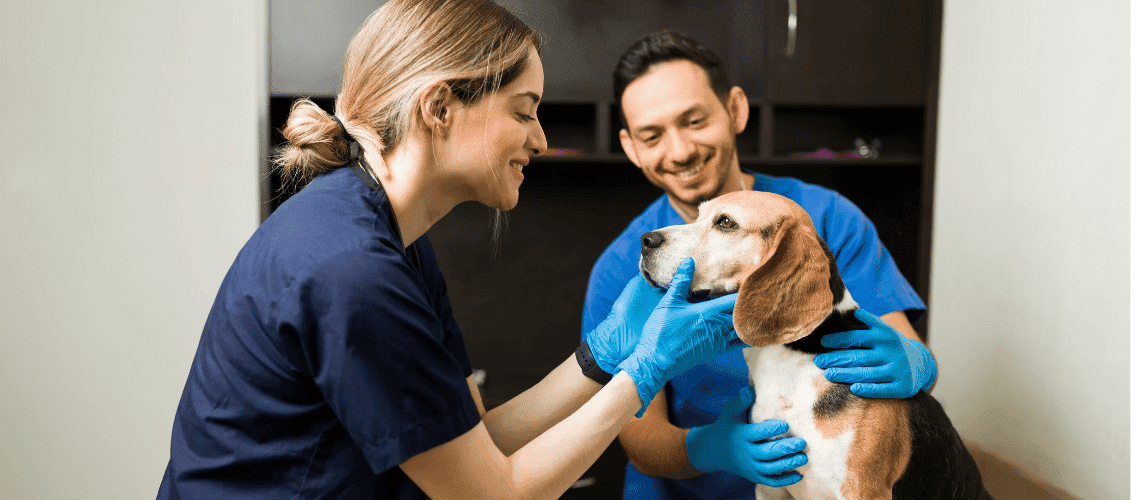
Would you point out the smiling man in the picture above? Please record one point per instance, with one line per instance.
(681, 118)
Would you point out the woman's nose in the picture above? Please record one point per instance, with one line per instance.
(536, 141)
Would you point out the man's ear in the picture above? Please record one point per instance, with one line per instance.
(627, 146)
(737, 109)
(437, 106)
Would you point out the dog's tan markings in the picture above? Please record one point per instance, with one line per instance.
(879, 455)
(831, 423)
(789, 294)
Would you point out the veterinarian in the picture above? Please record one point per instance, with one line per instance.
(681, 118)
(330, 365)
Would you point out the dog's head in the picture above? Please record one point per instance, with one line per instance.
(763, 246)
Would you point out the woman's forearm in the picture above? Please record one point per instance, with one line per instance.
(515, 423)
(551, 462)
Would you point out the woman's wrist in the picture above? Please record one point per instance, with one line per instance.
(589, 365)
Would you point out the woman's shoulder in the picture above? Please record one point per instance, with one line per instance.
(332, 221)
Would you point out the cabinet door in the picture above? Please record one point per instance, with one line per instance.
(846, 51)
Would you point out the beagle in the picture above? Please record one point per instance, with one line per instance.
(765, 247)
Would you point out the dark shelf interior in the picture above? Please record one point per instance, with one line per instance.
(569, 127)
(805, 129)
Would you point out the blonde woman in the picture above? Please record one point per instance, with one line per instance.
(330, 365)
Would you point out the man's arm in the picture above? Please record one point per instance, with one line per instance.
(655, 446)
(899, 321)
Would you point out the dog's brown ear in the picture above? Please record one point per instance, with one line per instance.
(789, 295)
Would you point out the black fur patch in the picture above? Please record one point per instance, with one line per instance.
(837, 321)
(833, 401)
(940, 466)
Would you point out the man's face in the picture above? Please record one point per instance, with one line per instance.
(680, 134)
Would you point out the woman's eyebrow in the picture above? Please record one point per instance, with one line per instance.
(531, 95)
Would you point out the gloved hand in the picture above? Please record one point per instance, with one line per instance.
(680, 335)
(879, 363)
(615, 337)
(733, 445)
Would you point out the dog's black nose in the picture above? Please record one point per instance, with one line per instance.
(652, 239)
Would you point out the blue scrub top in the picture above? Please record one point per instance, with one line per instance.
(697, 396)
(330, 357)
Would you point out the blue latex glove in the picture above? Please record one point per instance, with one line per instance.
(680, 335)
(733, 445)
(879, 363)
(615, 337)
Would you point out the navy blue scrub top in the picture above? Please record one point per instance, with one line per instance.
(330, 356)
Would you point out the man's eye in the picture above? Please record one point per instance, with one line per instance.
(649, 139)
(697, 122)
(725, 223)
(525, 117)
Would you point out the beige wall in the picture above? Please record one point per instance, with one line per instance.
(128, 182)
(1029, 304)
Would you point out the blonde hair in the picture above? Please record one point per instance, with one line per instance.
(405, 46)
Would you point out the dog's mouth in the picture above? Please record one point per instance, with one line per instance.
(694, 295)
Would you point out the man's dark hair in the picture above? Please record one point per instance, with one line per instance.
(662, 46)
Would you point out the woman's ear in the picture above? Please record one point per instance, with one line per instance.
(788, 296)
(437, 107)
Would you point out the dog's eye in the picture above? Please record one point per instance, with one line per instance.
(723, 222)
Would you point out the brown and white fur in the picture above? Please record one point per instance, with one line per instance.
(765, 247)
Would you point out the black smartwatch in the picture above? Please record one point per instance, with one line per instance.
(590, 367)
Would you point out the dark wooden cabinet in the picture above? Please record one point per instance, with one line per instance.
(858, 52)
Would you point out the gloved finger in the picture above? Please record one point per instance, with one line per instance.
(778, 480)
(767, 429)
(682, 278)
(872, 320)
(849, 358)
(740, 403)
(896, 390)
(855, 338)
(720, 305)
(785, 464)
(773, 450)
(637, 287)
(861, 374)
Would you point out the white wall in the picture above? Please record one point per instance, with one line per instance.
(128, 182)
(1029, 313)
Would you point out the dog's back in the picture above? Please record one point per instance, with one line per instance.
(940, 466)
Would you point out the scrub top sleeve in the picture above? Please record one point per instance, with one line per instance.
(868, 270)
(383, 359)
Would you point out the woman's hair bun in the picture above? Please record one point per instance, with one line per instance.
(317, 144)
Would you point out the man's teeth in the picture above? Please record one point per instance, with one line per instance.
(690, 172)
(517, 166)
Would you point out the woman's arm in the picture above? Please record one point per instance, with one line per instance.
(518, 421)
(473, 466)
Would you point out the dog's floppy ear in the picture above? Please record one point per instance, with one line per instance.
(789, 295)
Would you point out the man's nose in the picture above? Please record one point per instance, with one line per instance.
(682, 151)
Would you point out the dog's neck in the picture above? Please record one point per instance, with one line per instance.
(841, 319)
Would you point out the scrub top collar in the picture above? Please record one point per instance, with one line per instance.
(364, 171)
